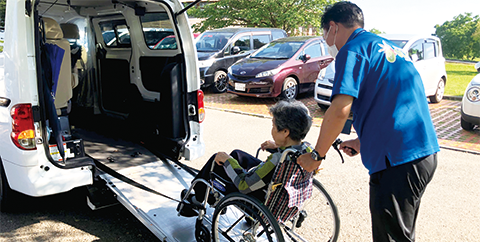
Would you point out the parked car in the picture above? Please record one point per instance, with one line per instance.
(426, 54)
(218, 49)
(151, 35)
(284, 67)
(169, 42)
(470, 111)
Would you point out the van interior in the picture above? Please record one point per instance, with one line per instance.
(111, 95)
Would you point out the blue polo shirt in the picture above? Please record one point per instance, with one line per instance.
(390, 109)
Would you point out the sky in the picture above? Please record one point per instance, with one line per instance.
(413, 16)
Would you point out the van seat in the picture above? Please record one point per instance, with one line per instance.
(64, 93)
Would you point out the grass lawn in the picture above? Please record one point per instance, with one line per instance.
(458, 77)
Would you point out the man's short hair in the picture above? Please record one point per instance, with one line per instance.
(346, 13)
(292, 115)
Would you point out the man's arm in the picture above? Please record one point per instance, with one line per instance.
(332, 125)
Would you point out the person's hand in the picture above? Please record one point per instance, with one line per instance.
(269, 144)
(347, 146)
(221, 157)
(307, 163)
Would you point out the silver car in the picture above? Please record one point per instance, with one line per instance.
(426, 54)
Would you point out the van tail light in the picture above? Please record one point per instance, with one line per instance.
(23, 131)
(201, 106)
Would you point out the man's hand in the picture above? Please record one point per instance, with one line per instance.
(269, 144)
(221, 157)
(348, 145)
(307, 163)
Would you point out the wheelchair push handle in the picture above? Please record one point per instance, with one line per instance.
(335, 145)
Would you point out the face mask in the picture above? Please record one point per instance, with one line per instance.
(332, 49)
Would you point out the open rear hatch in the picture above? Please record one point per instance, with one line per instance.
(118, 93)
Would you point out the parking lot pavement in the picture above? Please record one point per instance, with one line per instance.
(445, 116)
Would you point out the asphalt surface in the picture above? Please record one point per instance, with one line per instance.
(450, 210)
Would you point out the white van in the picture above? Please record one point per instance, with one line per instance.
(426, 54)
(69, 100)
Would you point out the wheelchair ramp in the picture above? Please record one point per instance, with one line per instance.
(156, 212)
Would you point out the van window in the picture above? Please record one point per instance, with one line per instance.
(416, 51)
(243, 42)
(314, 50)
(260, 40)
(212, 42)
(115, 34)
(429, 48)
(158, 31)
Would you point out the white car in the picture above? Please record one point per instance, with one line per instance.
(426, 54)
(470, 114)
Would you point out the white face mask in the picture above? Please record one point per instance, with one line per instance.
(332, 49)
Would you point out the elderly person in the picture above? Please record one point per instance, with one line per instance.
(378, 82)
(291, 123)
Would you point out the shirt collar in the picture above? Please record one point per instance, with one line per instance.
(355, 34)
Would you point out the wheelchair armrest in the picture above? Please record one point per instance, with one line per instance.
(214, 175)
(269, 150)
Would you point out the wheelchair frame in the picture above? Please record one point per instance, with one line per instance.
(259, 224)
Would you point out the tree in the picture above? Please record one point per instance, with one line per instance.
(285, 14)
(2, 12)
(376, 31)
(460, 37)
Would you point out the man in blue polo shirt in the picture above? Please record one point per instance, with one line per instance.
(377, 82)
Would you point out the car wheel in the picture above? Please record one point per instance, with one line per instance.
(439, 93)
(290, 88)
(322, 106)
(220, 82)
(466, 125)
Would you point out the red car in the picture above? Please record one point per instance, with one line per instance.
(169, 42)
(284, 67)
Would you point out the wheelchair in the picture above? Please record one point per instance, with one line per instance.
(244, 218)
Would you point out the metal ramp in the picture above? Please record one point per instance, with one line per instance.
(157, 213)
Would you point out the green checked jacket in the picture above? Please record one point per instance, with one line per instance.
(259, 176)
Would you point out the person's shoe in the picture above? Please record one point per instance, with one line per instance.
(187, 210)
(190, 205)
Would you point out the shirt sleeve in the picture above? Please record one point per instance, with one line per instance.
(255, 178)
(351, 69)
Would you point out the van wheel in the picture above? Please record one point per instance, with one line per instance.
(6, 194)
(439, 93)
(323, 106)
(466, 125)
(290, 88)
(220, 82)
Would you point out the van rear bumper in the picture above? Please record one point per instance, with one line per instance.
(47, 179)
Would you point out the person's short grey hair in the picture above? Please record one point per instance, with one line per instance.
(292, 115)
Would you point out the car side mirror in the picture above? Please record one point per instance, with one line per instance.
(235, 50)
(305, 58)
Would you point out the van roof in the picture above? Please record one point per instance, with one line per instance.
(407, 36)
(240, 29)
(298, 39)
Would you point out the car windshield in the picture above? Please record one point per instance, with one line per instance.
(277, 50)
(400, 43)
(212, 42)
(168, 42)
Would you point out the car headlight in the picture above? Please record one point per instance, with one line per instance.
(473, 94)
(205, 63)
(268, 73)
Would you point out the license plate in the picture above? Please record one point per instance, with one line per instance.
(240, 87)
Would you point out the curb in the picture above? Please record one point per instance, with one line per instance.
(459, 150)
(316, 125)
(455, 98)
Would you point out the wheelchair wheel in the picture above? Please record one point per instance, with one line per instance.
(318, 219)
(239, 217)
